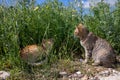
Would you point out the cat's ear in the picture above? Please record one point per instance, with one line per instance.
(51, 40)
(80, 27)
(43, 46)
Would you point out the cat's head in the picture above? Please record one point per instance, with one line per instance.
(47, 44)
(81, 31)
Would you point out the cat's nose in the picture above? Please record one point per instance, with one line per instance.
(75, 32)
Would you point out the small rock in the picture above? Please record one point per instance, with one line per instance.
(110, 78)
(81, 60)
(78, 72)
(4, 75)
(116, 72)
(63, 74)
(104, 73)
(73, 76)
(76, 75)
(84, 78)
(94, 78)
(109, 74)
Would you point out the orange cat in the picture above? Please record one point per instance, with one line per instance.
(95, 47)
(34, 54)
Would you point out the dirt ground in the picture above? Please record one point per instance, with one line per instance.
(62, 70)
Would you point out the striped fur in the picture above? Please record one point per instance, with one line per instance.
(95, 47)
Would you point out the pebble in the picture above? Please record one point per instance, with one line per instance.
(81, 60)
(78, 72)
(4, 75)
(84, 77)
(63, 74)
(109, 74)
(76, 75)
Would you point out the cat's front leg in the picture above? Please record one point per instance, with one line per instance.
(87, 55)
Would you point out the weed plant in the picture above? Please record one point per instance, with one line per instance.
(23, 24)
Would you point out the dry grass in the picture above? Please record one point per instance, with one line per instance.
(52, 72)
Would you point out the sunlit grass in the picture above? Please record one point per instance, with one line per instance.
(21, 26)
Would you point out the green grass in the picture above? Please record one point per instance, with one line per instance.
(21, 26)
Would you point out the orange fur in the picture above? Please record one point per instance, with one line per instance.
(30, 49)
(32, 53)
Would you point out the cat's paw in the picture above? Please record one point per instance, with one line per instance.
(85, 61)
(96, 63)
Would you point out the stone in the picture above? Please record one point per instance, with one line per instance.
(84, 77)
(78, 72)
(76, 75)
(116, 77)
(109, 74)
(63, 74)
(4, 75)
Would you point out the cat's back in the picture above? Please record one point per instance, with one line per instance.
(102, 44)
(30, 53)
(90, 41)
(30, 49)
(103, 52)
(33, 53)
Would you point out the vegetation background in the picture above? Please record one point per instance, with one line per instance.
(27, 23)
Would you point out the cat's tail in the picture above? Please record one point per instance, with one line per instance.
(117, 62)
(118, 59)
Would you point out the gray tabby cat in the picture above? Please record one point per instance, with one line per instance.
(99, 49)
